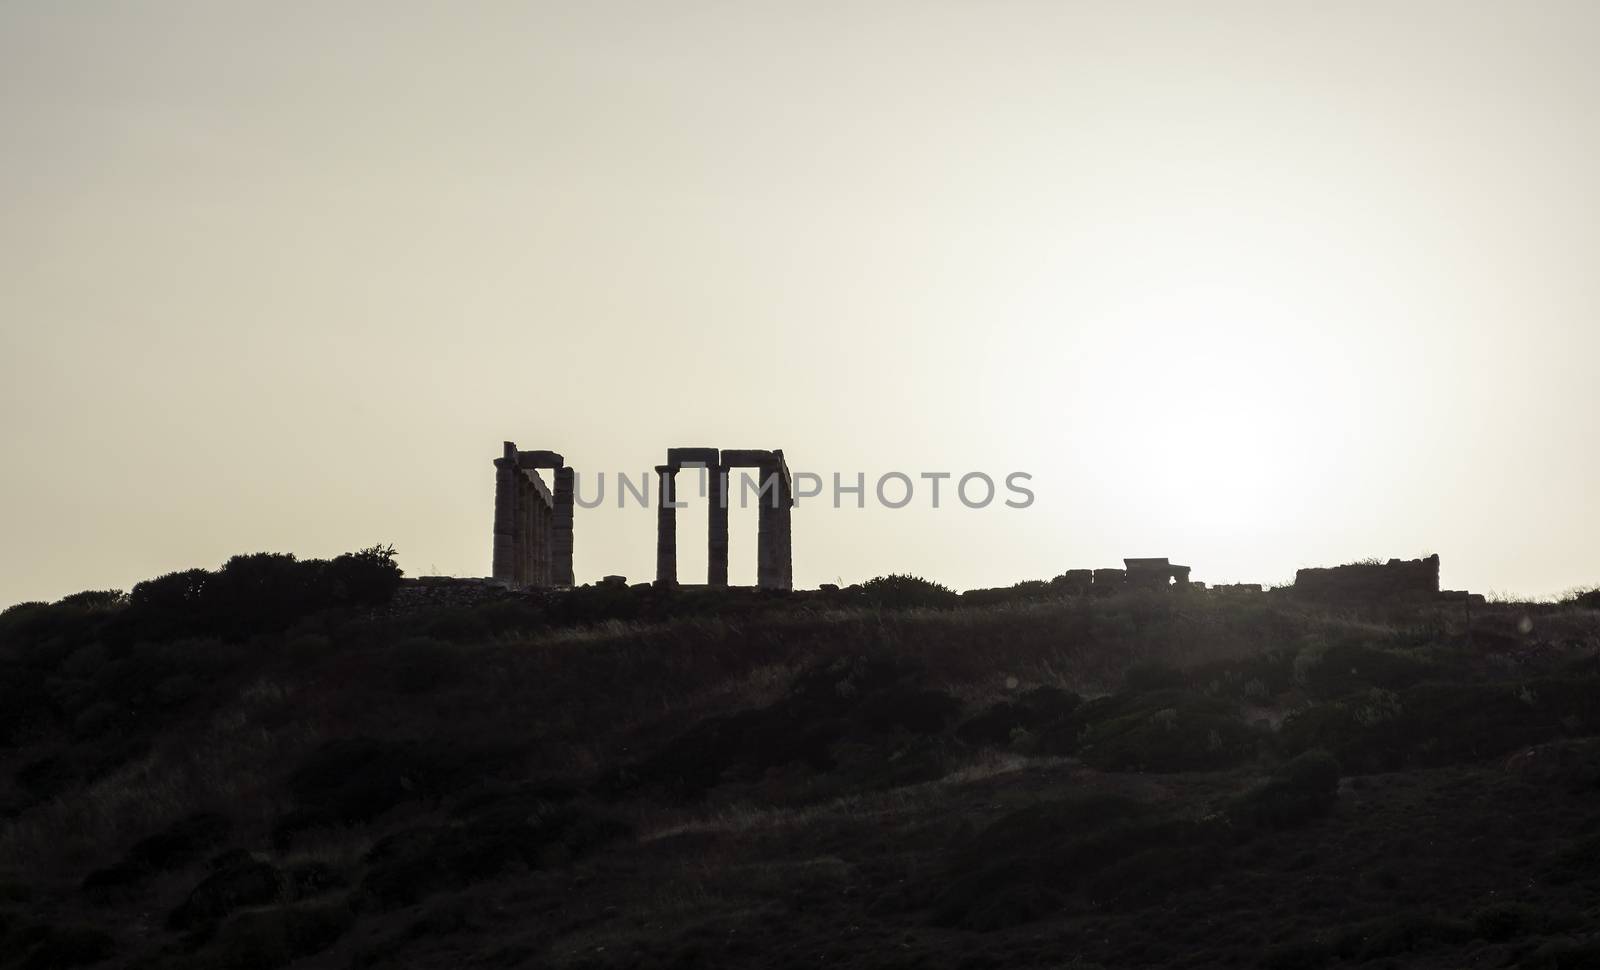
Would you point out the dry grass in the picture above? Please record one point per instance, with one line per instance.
(232, 763)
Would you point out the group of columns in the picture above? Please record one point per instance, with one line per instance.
(532, 521)
(774, 556)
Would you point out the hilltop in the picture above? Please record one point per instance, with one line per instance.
(319, 764)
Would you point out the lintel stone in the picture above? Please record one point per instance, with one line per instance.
(678, 457)
(540, 459)
(749, 457)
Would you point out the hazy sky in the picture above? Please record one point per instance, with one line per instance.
(1251, 285)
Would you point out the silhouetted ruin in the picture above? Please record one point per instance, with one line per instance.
(533, 520)
(1371, 581)
(1136, 574)
(533, 536)
(1155, 573)
(774, 558)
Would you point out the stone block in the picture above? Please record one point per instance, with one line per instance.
(678, 457)
(1110, 578)
(748, 457)
(540, 459)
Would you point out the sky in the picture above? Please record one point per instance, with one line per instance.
(1251, 285)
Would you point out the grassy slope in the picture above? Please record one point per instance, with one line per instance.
(802, 781)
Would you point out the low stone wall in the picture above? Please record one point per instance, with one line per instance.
(432, 591)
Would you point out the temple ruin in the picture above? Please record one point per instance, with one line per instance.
(774, 558)
(533, 520)
(1136, 574)
(1371, 581)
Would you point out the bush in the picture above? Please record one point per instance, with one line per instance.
(238, 881)
(1163, 730)
(1308, 955)
(516, 830)
(108, 599)
(175, 846)
(354, 780)
(1304, 789)
(1402, 933)
(1148, 675)
(55, 947)
(365, 578)
(1506, 921)
(1579, 861)
(1351, 668)
(270, 938)
(1438, 724)
(849, 699)
(1563, 955)
(418, 665)
(261, 593)
(898, 592)
(1040, 709)
(1120, 852)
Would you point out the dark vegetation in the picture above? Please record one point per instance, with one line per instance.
(299, 762)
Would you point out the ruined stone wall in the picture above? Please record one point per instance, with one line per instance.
(1370, 582)
(430, 592)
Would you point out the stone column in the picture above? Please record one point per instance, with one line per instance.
(561, 528)
(666, 528)
(535, 508)
(785, 535)
(546, 515)
(548, 564)
(525, 499)
(717, 527)
(769, 553)
(505, 519)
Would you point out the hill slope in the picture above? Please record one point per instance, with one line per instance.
(636, 778)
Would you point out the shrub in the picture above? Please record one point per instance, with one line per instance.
(418, 665)
(900, 592)
(1043, 709)
(261, 593)
(270, 938)
(1436, 724)
(1304, 789)
(1163, 730)
(1350, 668)
(173, 847)
(1150, 675)
(1393, 935)
(108, 599)
(511, 831)
(238, 881)
(1500, 922)
(1117, 850)
(1563, 955)
(353, 780)
(55, 947)
(1579, 861)
(364, 578)
(1307, 955)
